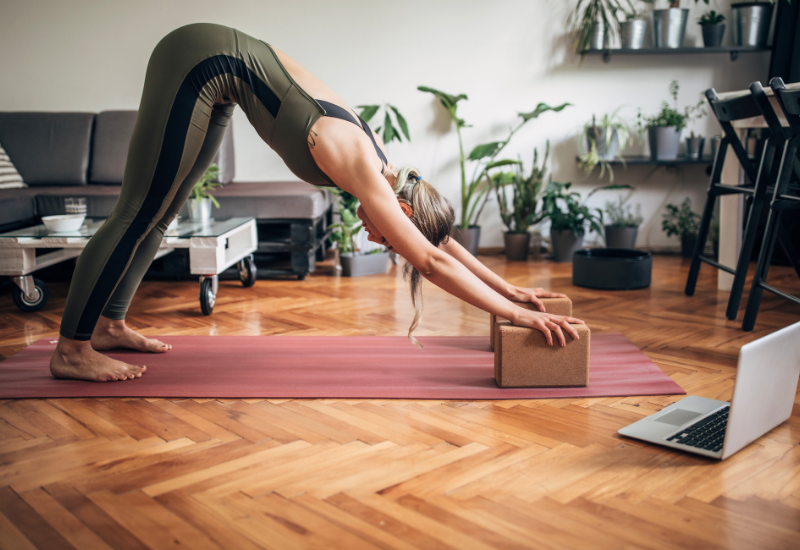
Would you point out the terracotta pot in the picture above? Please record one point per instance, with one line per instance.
(517, 245)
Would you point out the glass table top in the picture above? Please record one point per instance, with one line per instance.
(186, 229)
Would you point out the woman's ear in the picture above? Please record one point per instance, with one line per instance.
(407, 210)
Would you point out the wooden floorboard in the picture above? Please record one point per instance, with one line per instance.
(256, 473)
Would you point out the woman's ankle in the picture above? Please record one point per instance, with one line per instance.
(69, 346)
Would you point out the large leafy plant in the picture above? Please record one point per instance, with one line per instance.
(589, 12)
(566, 211)
(475, 192)
(670, 116)
(205, 184)
(389, 127)
(520, 212)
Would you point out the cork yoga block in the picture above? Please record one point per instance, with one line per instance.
(522, 358)
(556, 306)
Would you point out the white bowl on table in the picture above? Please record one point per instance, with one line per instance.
(64, 222)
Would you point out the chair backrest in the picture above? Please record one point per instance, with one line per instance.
(788, 97)
(729, 107)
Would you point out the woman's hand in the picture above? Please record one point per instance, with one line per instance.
(548, 324)
(532, 295)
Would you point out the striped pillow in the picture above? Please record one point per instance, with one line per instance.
(9, 177)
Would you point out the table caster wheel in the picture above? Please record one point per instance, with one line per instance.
(247, 271)
(35, 300)
(207, 296)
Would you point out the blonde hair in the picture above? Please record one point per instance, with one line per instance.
(433, 215)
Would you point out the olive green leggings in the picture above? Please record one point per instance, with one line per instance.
(195, 78)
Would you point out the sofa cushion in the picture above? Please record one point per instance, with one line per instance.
(271, 200)
(17, 207)
(48, 148)
(100, 199)
(9, 176)
(112, 136)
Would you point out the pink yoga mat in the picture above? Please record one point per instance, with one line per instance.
(457, 367)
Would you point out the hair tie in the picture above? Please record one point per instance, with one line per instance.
(417, 178)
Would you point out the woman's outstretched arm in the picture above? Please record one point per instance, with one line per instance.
(495, 282)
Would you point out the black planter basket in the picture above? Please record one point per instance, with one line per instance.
(612, 268)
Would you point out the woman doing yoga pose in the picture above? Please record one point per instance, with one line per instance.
(195, 78)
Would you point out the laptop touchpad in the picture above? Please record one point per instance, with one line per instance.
(678, 417)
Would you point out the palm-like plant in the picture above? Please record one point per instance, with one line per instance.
(390, 131)
(475, 193)
(520, 213)
(205, 184)
(589, 12)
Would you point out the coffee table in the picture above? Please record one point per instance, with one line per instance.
(214, 246)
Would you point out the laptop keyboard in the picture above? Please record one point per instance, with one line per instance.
(708, 434)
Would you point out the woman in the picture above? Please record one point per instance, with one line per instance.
(195, 77)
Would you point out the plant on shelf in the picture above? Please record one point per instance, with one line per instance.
(602, 142)
(623, 224)
(389, 127)
(475, 192)
(598, 18)
(664, 128)
(713, 26)
(344, 235)
(520, 212)
(683, 222)
(201, 199)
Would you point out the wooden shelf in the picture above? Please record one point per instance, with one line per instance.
(644, 160)
(733, 51)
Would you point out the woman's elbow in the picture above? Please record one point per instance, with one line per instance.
(431, 264)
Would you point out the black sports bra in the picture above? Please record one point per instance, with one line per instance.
(334, 111)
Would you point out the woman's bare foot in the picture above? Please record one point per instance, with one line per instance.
(110, 334)
(75, 359)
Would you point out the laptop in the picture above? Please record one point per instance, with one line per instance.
(766, 384)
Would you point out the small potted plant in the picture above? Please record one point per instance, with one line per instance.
(568, 218)
(593, 24)
(201, 199)
(669, 25)
(354, 262)
(713, 25)
(681, 221)
(664, 128)
(623, 223)
(520, 212)
(694, 146)
(601, 140)
(633, 29)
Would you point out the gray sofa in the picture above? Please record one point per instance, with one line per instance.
(68, 154)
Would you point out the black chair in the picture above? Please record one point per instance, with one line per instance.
(785, 196)
(728, 108)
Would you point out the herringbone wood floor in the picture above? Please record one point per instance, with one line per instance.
(245, 474)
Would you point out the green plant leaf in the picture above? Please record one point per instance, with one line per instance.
(401, 122)
(368, 111)
(485, 150)
(504, 162)
(449, 101)
(389, 133)
(542, 108)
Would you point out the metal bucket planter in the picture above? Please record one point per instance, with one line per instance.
(357, 265)
(606, 150)
(597, 40)
(517, 245)
(751, 22)
(694, 147)
(618, 236)
(565, 244)
(631, 34)
(664, 142)
(669, 27)
(712, 35)
(200, 210)
(612, 268)
(468, 238)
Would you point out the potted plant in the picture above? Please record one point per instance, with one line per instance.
(201, 199)
(354, 262)
(475, 193)
(694, 146)
(593, 23)
(713, 25)
(632, 30)
(521, 213)
(568, 218)
(683, 222)
(601, 142)
(669, 25)
(623, 224)
(751, 22)
(664, 128)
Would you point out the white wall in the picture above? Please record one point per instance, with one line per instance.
(507, 55)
